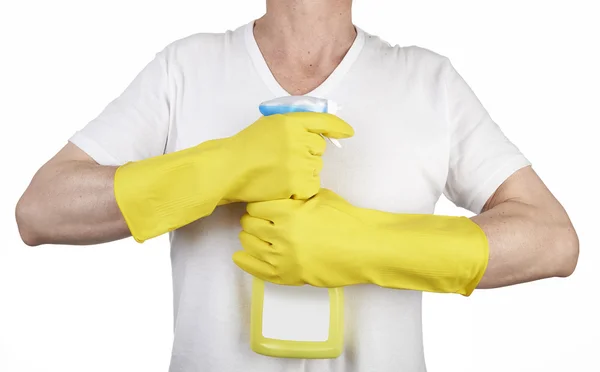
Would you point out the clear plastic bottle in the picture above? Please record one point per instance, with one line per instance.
(297, 322)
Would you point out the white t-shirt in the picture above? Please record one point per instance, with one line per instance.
(420, 133)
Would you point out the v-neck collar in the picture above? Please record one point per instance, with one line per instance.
(332, 80)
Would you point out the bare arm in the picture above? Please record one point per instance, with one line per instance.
(70, 201)
(530, 235)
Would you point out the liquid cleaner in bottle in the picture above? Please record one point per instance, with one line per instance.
(297, 321)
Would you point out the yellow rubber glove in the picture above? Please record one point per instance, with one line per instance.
(277, 157)
(326, 242)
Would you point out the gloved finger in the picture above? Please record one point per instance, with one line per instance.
(330, 195)
(308, 180)
(272, 210)
(262, 228)
(316, 164)
(326, 124)
(254, 266)
(256, 247)
(315, 143)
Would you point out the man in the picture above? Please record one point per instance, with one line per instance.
(183, 150)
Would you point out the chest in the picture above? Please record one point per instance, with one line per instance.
(301, 78)
(397, 161)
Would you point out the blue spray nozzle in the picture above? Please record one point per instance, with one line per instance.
(267, 110)
(287, 104)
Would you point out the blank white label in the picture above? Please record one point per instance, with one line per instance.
(296, 313)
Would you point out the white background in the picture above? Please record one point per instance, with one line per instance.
(534, 65)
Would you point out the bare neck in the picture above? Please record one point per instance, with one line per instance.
(301, 26)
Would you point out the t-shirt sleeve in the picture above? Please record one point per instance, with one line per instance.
(133, 126)
(481, 156)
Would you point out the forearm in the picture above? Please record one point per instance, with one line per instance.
(71, 202)
(327, 242)
(526, 243)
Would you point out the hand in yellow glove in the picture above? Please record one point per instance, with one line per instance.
(277, 157)
(326, 242)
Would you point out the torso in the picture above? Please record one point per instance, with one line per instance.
(397, 161)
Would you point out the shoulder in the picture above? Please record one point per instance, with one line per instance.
(202, 48)
(413, 60)
(195, 44)
(422, 60)
(201, 39)
(418, 55)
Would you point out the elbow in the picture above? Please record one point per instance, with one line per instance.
(567, 251)
(25, 217)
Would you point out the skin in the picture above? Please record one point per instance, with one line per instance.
(304, 41)
(70, 200)
(530, 234)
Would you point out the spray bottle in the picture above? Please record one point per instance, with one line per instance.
(297, 322)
